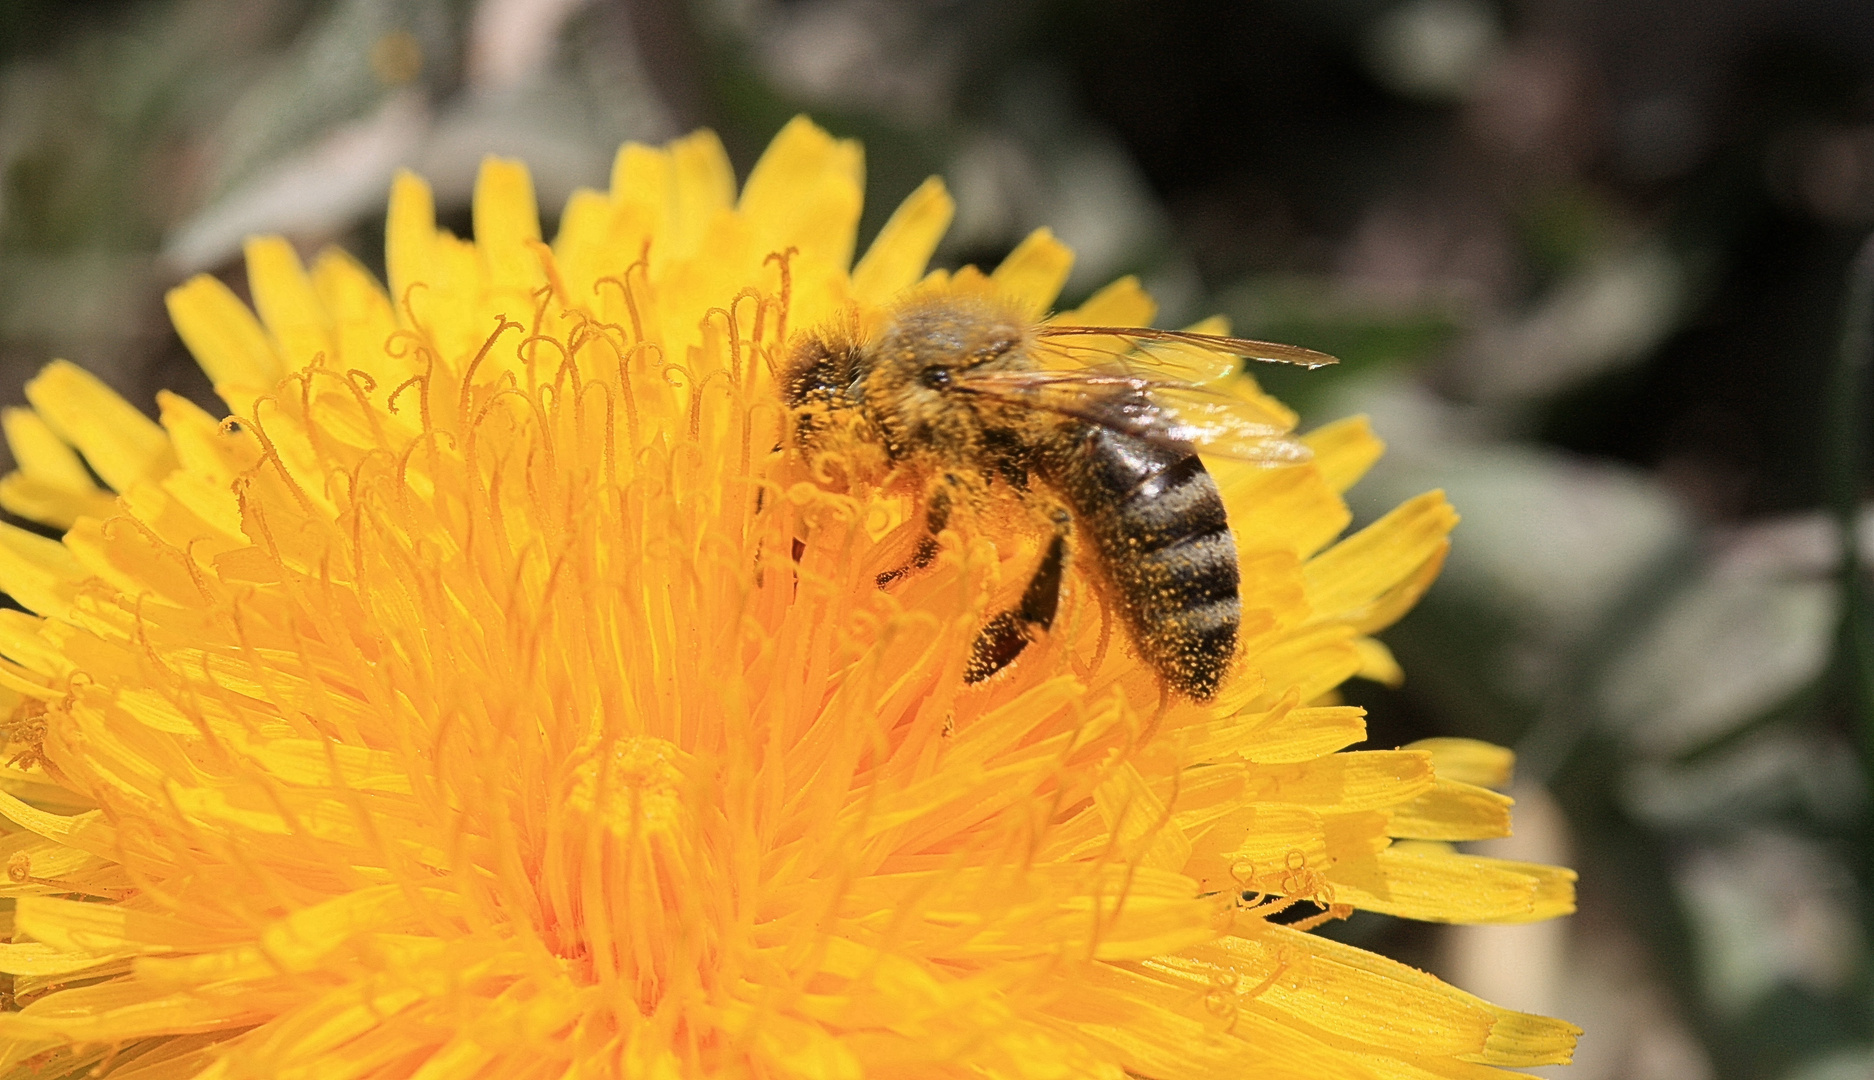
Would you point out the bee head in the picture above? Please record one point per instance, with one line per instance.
(818, 367)
(816, 383)
(897, 386)
(907, 391)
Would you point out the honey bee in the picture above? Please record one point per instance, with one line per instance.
(969, 398)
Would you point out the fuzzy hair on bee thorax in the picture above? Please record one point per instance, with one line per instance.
(894, 389)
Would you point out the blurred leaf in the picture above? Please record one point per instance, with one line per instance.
(1366, 334)
(1845, 435)
(1561, 227)
(1727, 648)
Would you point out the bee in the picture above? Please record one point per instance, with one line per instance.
(968, 397)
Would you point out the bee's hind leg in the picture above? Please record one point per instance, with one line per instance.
(1004, 637)
(937, 506)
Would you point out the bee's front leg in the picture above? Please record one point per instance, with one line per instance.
(1004, 637)
(937, 506)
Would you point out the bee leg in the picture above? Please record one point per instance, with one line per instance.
(1004, 637)
(936, 519)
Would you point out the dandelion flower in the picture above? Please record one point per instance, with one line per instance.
(488, 696)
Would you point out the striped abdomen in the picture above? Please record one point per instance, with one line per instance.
(1156, 518)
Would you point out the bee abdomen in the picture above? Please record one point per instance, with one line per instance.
(1183, 596)
(1158, 521)
(1174, 506)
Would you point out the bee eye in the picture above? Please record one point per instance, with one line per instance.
(935, 377)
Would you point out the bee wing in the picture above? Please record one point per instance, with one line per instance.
(1178, 354)
(1174, 415)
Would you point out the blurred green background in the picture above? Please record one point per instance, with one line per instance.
(1587, 263)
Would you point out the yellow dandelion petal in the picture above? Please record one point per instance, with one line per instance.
(903, 248)
(1470, 761)
(121, 444)
(1357, 579)
(702, 185)
(805, 194)
(288, 306)
(1122, 303)
(491, 694)
(1377, 662)
(51, 484)
(226, 339)
(507, 226)
(1032, 275)
(1452, 810)
(409, 241)
(1344, 450)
